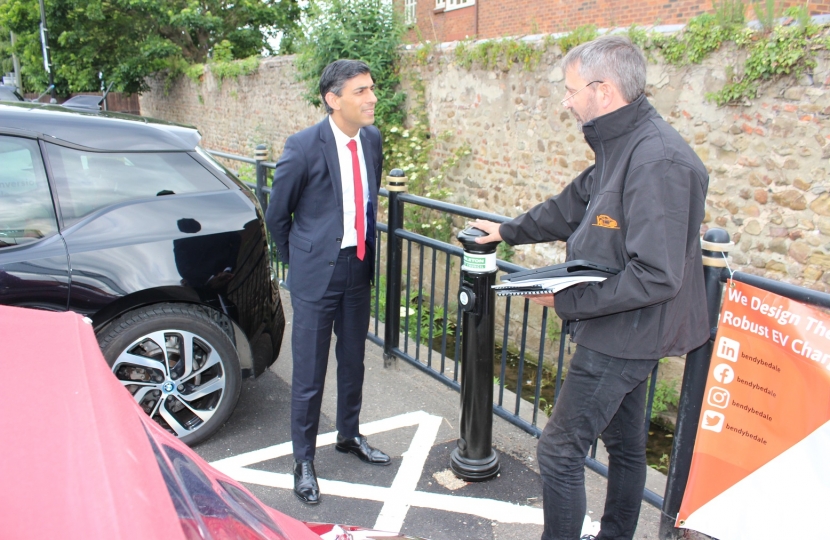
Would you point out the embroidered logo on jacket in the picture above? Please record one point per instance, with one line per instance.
(606, 222)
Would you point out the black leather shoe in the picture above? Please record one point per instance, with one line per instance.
(360, 447)
(305, 482)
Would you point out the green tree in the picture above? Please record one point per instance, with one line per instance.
(127, 40)
(368, 30)
(371, 30)
(5, 51)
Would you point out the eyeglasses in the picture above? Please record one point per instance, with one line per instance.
(570, 96)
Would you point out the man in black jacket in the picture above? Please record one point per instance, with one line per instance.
(638, 209)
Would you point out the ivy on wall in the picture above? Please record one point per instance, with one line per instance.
(499, 52)
(223, 66)
(786, 51)
(504, 53)
(773, 48)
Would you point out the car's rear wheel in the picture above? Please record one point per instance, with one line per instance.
(179, 364)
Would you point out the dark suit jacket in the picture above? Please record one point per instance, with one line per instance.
(305, 211)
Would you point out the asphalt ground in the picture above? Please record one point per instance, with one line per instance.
(413, 418)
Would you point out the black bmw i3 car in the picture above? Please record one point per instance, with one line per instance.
(127, 221)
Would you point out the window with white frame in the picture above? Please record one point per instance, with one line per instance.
(440, 4)
(409, 11)
(457, 4)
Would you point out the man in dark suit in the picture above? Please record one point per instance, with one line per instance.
(322, 218)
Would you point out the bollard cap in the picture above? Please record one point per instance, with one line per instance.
(715, 247)
(468, 236)
(716, 235)
(396, 180)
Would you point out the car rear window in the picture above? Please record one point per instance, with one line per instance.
(26, 210)
(87, 181)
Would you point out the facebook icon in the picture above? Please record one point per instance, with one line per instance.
(723, 373)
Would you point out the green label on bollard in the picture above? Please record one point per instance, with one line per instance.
(474, 262)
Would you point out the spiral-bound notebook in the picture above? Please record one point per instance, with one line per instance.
(552, 279)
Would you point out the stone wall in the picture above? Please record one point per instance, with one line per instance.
(235, 115)
(768, 160)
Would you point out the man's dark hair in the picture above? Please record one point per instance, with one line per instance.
(336, 74)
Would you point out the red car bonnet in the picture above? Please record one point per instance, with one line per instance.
(82, 461)
(77, 461)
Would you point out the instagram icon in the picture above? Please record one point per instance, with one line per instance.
(718, 397)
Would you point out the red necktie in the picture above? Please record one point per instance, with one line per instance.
(359, 218)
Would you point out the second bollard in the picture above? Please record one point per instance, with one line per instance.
(474, 459)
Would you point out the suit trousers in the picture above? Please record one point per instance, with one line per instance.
(345, 306)
(604, 395)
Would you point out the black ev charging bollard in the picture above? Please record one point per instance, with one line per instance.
(474, 458)
(395, 184)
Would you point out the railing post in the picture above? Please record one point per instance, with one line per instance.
(395, 184)
(716, 246)
(474, 459)
(261, 175)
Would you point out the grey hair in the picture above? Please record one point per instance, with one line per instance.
(611, 58)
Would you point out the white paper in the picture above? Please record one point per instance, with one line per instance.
(543, 286)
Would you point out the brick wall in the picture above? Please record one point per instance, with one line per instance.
(497, 18)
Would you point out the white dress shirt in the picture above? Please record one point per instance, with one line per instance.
(344, 156)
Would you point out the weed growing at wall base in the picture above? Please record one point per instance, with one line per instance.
(730, 12)
(666, 398)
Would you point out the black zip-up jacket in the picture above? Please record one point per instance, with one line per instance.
(639, 209)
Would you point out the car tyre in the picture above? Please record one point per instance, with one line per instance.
(179, 364)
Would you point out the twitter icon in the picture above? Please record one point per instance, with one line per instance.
(712, 421)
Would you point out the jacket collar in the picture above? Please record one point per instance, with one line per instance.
(618, 123)
(332, 160)
(369, 158)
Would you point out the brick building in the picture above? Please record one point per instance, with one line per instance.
(451, 20)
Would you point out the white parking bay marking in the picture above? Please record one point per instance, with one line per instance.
(403, 487)
(397, 498)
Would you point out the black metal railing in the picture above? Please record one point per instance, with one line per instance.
(401, 276)
(419, 329)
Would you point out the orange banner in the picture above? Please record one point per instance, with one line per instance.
(766, 409)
